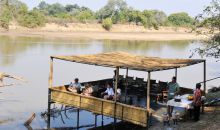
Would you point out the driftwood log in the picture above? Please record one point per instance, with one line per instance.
(30, 119)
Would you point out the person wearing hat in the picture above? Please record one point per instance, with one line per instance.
(197, 102)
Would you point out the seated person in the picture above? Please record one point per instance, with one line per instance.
(109, 92)
(118, 96)
(88, 90)
(75, 87)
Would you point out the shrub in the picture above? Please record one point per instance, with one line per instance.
(107, 24)
(32, 19)
(5, 17)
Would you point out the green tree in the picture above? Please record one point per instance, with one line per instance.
(180, 19)
(56, 9)
(112, 9)
(209, 24)
(43, 5)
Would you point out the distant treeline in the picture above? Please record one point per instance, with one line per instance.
(114, 12)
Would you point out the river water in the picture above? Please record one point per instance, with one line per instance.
(29, 57)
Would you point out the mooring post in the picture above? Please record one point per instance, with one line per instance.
(77, 118)
(102, 114)
(95, 120)
(48, 109)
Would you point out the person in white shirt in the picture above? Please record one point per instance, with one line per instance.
(75, 87)
(109, 92)
(118, 96)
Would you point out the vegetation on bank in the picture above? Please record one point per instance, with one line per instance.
(114, 12)
(210, 20)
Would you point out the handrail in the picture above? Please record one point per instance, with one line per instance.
(210, 79)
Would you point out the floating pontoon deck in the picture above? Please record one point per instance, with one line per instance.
(118, 60)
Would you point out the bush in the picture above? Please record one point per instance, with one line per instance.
(32, 19)
(83, 16)
(107, 24)
(5, 17)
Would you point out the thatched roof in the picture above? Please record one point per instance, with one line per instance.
(130, 61)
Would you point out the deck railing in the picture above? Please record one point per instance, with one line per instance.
(135, 115)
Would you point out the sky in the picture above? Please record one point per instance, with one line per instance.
(192, 7)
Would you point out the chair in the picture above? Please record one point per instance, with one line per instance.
(139, 80)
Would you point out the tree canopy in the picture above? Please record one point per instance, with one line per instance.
(210, 20)
(116, 10)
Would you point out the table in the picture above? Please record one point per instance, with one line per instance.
(185, 103)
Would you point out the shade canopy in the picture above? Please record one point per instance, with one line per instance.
(130, 61)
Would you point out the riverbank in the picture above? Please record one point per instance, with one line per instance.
(210, 120)
(96, 32)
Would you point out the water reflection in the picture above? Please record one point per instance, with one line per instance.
(143, 46)
(12, 47)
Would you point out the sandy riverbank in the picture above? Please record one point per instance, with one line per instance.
(95, 31)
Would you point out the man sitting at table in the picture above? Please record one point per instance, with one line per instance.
(173, 89)
(75, 87)
(109, 92)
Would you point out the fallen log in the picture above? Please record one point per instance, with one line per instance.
(30, 119)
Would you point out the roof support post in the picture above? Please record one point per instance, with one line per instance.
(126, 84)
(51, 73)
(116, 82)
(204, 82)
(115, 96)
(176, 73)
(49, 92)
(204, 76)
(148, 98)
